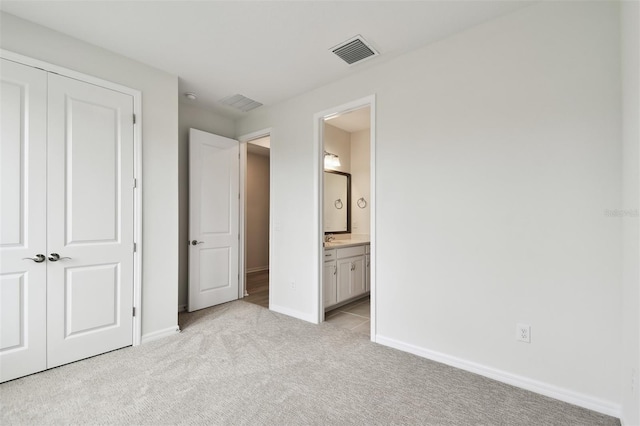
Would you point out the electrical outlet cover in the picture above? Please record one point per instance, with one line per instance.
(523, 333)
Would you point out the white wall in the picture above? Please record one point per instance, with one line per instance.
(338, 141)
(257, 212)
(159, 145)
(630, 13)
(360, 181)
(498, 151)
(191, 116)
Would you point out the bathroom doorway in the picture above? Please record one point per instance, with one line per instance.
(255, 206)
(345, 139)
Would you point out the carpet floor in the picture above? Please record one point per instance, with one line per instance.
(239, 363)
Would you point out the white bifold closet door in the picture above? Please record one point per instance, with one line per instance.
(67, 195)
(89, 219)
(23, 220)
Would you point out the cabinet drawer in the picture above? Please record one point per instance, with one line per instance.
(367, 249)
(350, 251)
(329, 255)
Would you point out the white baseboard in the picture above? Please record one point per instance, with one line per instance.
(547, 389)
(160, 334)
(257, 269)
(182, 308)
(293, 313)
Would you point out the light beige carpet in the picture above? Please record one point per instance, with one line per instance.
(242, 364)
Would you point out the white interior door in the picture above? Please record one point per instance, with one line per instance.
(23, 150)
(214, 197)
(90, 220)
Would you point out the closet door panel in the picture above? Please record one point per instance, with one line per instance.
(92, 173)
(23, 147)
(90, 220)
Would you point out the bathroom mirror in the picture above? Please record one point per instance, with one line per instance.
(337, 202)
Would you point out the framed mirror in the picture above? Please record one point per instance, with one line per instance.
(337, 202)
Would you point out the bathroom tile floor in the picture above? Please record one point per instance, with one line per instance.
(355, 316)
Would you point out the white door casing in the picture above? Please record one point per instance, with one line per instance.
(23, 151)
(214, 197)
(90, 188)
(318, 193)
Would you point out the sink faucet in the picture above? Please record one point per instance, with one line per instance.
(328, 238)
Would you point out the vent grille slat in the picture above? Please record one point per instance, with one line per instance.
(354, 50)
(240, 102)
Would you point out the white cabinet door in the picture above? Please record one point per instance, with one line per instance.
(90, 220)
(23, 150)
(344, 279)
(358, 276)
(329, 289)
(351, 277)
(214, 188)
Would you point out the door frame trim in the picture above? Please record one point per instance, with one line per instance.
(242, 264)
(137, 166)
(318, 190)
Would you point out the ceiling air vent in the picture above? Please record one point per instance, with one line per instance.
(354, 50)
(240, 102)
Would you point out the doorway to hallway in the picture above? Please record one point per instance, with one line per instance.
(256, 206)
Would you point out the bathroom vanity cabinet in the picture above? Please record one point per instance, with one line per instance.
(346, 273)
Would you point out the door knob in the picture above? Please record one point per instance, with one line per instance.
(196, 242)
(54, 257)
(38, 258)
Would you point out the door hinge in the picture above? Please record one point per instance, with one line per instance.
(135, 182)
(134, 311)
(135, 247)
(134, 119)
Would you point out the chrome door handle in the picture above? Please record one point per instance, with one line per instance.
(196, 242)
(54, 257)
(39, 258)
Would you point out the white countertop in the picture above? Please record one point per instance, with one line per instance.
(345, 243)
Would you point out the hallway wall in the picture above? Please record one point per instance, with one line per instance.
(257, 212)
